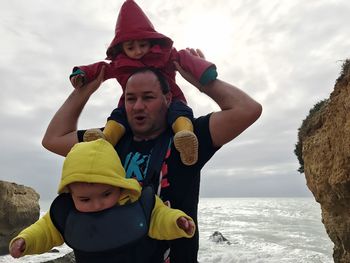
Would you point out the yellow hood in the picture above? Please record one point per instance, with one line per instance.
(96, 162)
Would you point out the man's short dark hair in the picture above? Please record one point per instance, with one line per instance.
(164, 85)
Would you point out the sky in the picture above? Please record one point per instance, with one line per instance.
(285, 54)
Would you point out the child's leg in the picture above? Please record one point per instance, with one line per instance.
(185, 140)
(113, 130)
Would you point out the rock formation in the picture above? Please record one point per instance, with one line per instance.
(19, 208)
(219, 238)
(69, 258)
(326, 157)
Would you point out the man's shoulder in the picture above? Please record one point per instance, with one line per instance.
(201, 123)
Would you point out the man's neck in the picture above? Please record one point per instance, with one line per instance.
(147, 137)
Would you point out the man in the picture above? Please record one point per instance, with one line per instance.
(146, 103)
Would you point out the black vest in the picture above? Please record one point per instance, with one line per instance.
(117, 234)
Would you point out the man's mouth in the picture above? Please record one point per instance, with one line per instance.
(140, 118)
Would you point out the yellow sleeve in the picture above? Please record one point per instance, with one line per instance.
(163, 222)
(40, 237)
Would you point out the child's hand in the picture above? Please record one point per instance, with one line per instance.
(186, 75)
(77, 81)
(186, 225)
(17, 248)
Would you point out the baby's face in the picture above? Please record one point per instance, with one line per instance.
(94, 197)
(136, 49)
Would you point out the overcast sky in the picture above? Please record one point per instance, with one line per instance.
(286, 54)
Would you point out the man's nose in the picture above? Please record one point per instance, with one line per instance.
(139, 104)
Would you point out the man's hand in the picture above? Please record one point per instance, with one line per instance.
(196, 52)
(17, 248)
(77, 81)
(93, 85)
(186, 225)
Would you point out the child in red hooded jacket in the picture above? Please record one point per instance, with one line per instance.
(137, 45)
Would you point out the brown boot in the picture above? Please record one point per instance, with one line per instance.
(187, 144)
(185, 140)
(92, 135)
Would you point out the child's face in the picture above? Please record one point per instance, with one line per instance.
(93, 197)
(136, 49)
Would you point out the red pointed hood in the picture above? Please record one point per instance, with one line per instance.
(133, 24)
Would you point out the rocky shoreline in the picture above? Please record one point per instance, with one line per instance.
(69, 258)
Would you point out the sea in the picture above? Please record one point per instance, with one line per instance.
(257, 230)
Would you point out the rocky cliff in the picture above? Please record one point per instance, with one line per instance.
(19, 208)
(326, 160)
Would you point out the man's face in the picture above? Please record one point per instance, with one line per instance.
(146, 106)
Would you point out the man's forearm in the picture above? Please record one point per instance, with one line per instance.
(227, 96)
(238, 111)
(60, 135)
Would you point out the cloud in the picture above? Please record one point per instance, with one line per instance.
(285, 54)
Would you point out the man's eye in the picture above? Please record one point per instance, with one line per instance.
(130, 99)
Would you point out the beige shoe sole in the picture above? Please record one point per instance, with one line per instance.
(187, 144)
(93, 134)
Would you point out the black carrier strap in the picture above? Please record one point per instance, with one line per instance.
(157, 157)
(59, 210)
(110, 229)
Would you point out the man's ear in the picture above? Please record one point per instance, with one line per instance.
(168, 98)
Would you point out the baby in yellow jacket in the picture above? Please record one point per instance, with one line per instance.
(102, 215)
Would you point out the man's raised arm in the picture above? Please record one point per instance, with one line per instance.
(61, 134)
(238, 110)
